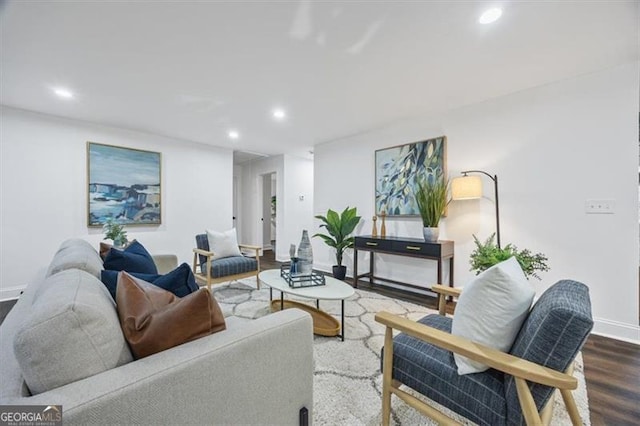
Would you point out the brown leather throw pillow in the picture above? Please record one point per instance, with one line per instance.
(153, 319)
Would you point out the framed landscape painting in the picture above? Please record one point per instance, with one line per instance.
(123, 185)
(397, 169)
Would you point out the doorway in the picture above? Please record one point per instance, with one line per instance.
(269, 203)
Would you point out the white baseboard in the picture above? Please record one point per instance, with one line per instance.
(11, 293)
(617, 330)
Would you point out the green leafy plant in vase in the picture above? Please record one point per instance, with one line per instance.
(431, 197)
(488, 254)
(115, 231)
(339, 226)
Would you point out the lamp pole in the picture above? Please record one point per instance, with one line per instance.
(494, 178)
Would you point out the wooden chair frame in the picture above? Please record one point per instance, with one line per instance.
(206, 278)
(521, 369)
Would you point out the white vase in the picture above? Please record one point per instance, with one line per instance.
(430, 234)
(305, 255)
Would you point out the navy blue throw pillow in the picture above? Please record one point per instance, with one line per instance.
(135, 258)
(180, 281)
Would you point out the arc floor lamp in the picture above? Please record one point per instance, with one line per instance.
(468, 187)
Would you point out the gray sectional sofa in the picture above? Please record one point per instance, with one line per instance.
(61, 344)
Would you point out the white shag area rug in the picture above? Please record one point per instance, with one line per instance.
(347, 384)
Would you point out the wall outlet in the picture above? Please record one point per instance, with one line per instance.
(600, 206)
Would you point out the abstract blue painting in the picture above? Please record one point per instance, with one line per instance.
(397, 169)
(123, 184)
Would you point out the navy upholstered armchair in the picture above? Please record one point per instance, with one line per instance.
(519, 386)
(213, 271)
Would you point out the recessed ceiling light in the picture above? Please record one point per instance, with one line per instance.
(63, 93)
(233, 134)
(279, 114)
(490, 15)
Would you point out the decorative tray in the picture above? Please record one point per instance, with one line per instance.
(299, 280)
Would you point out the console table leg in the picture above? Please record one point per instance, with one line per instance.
(355, 268)
(450, 276)
(371, 274)
(451, 272)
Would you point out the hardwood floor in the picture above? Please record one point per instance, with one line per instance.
(612, 367)
(612, 371)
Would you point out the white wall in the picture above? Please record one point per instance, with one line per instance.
(44, 191)
(552, 147)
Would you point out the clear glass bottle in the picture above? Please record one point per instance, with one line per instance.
(305, 255)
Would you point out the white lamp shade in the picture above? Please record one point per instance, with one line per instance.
(466, 188)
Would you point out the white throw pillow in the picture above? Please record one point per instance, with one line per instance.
(491, 310)
(223, 244)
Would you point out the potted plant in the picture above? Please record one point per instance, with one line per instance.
(339, 227)
(115, 231)
(488, 254)
(431, 199)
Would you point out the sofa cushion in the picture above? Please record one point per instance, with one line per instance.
(232, 265)
(76, 253)
(180, 281)
(491, 310)
(72, 332)
(154, 319)
(135, 258)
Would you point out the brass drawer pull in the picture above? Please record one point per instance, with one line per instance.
(371, 244)
(414, 248)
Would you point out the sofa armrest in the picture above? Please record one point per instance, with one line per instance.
(165, 263)
(255, 372)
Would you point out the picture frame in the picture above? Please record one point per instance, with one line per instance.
(398, 167)
(123, 184)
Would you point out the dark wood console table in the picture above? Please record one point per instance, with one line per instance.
(399, 246)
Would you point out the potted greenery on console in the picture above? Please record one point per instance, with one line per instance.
(431, 198)
(488, 254)
(339, 227)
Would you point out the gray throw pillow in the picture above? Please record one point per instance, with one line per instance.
(73, 332)
(76, 253)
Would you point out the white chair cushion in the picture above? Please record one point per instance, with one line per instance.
(491, 310)
(223, 244)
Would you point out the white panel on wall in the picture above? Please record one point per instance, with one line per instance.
(44, 201)
(298, 203)
(552, 147)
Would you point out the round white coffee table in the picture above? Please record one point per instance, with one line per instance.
(332, 290)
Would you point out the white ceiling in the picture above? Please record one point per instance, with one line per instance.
(193, 70)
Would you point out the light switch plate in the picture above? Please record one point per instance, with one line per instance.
(600, 206)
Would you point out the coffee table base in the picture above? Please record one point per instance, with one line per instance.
(323, 323)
